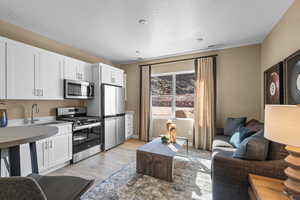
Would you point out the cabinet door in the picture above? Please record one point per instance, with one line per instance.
(42, 156)
(21, 67)
(70, 68)
(59, 149)
(81, 71)
(106, 74)
(2, 70)
(25, 159)
(88, 72)
(119, 80)
(50, 76)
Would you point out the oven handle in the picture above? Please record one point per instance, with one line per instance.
(88, 126)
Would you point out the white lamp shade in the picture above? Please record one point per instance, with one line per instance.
(282, 124)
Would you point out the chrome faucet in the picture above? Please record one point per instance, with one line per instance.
(34, 106)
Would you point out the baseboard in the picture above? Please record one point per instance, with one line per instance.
(52, 169)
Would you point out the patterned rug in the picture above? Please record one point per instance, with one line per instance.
(191, 181)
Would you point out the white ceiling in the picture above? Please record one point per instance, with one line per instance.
(110, 28)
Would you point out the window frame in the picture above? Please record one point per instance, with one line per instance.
(173, 110)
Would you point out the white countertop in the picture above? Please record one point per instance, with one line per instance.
(41, 121)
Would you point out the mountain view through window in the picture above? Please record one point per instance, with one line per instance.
(173, 95)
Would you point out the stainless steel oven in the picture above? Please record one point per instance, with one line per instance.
(88, 136)
(78, 89)
(87, 140)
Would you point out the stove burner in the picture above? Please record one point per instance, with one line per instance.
(81, 120)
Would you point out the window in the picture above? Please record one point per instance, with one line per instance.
(173, 95)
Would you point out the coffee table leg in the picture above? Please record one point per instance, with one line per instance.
(33, 155)
(187, 147)
(14, 161)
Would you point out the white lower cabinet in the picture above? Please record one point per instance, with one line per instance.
(129, 124)
(60, 149)
(54, 151)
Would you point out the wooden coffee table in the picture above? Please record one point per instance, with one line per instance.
(157, 159)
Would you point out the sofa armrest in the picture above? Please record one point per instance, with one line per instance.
(237, 170)
(219, 131)
(230, 175)
(16, 188)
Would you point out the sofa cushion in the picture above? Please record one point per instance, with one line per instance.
(232, 124)
(239, 135)
(255, 125)
(255, 147)
(221, 141)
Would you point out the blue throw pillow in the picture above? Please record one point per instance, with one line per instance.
(255, 147)
(232, 124)
(239, 135)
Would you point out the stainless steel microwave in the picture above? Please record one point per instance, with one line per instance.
(78, 89)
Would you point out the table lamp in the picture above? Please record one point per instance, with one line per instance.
(282, 125)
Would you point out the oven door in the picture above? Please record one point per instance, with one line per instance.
(86, 138)
(78, 89)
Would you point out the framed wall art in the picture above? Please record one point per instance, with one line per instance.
(292, 79)
(273, 85)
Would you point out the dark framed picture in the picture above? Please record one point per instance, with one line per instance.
(273, 85)
(292, 79)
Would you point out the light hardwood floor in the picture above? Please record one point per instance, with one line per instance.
(102, 165)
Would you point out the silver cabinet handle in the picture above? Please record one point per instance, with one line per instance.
(51, 144)
(46, 145)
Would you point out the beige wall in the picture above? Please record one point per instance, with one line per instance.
(283, 40)
(238, 83)
(21, 109)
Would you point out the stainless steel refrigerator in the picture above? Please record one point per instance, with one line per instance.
(113, 112)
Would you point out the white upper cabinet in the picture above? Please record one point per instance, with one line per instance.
(33, 73)
(27, 72)
(112, 75)
(21, 68)
(70, 68)
(77, 70)
(88, 72)
(2, 70)
(50, 79)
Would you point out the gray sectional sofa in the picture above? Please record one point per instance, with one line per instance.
(230, 175)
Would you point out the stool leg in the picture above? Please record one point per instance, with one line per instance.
(33, 155)
(187, 147)
(14, 161)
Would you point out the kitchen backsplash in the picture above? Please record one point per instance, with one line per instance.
(19, 109)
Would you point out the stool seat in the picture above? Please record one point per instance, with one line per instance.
(62, 187)
(37, 187)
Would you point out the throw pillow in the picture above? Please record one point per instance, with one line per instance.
(255, 125)
(232, 124)
(239, 135)
(255, 147)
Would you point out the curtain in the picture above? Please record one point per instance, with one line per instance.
(145, 86)
(204, 118)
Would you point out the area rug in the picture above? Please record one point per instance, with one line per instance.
(191, 181)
